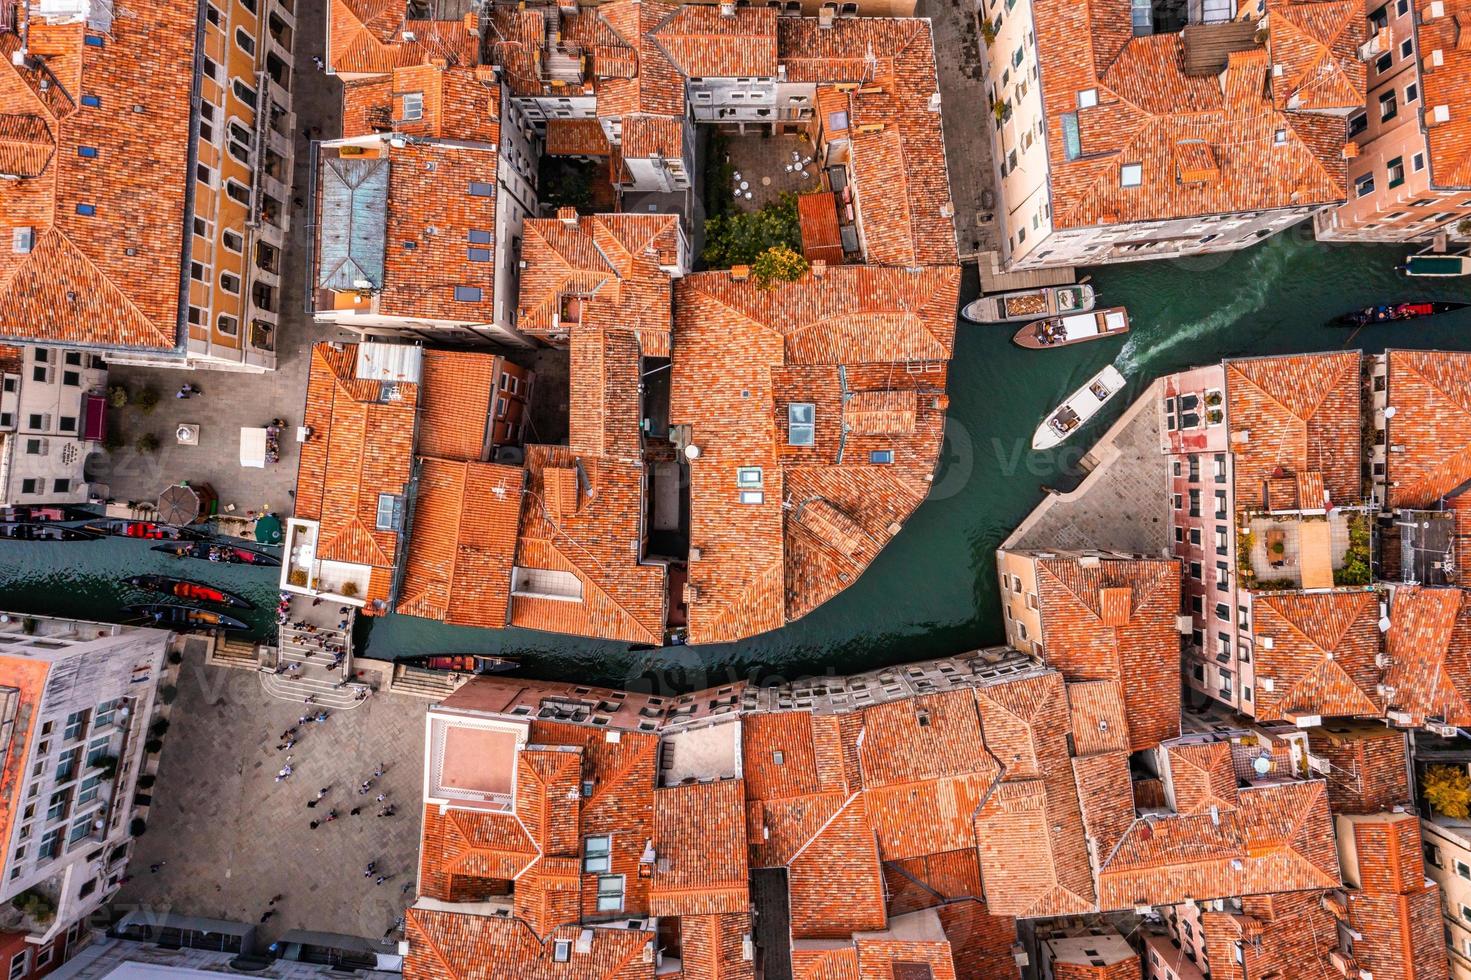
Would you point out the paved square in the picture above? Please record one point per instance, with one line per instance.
(231, 837)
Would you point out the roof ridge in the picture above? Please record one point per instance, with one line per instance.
(55, 229)
(449, 969)
(825, 824)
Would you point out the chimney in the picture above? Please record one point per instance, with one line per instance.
(568, 216)
(740, 273)
(1350, 149)
(825, 18)
(727, 8)
(819, 268)
(1439, 116)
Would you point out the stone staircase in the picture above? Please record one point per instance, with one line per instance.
(241, 654)
(432, 684)
(326, 694)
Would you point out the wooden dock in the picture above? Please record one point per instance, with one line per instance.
(994, 280)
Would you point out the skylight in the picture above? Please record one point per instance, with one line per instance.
(801, 424)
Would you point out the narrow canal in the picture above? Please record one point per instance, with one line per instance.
(931, 592)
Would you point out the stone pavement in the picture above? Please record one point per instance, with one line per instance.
(761, 159)
(235, 399)
(1121, 503)
(966, 116)
(230, 837)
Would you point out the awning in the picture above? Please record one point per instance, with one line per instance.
(253, 447)
(94, 425)
(268, 529)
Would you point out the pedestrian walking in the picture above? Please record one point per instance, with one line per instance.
(267, 914)
(380, 879)
(310, 804)
(331, 815)
(378, 773)
(382, 797)
(354, 811)
(310, 699)
(156, 866)
(323, 791)
(315, 824)
(317, 60)
(276, 898)
(368, 871)
(367, 785)
(183, 392)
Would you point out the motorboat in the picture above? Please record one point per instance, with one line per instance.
(1073, 328)
(185, 589)
(1029, 304)
(1080, 406)
(168, 614)
(150, 530)
(226, 553)
(1437, 265)
(1396, 313)
(466, 663)
(36, 531)
(49, 513)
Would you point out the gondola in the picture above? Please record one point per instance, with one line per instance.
(465, 663)
(1396, 313)
(150, 530)
(185, 589)
(32, 531)
(229, 554)
(166, 614)
(53, 513)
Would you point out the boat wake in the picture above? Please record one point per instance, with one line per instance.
(1261, 275)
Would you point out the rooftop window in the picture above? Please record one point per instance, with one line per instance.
(748, 476)
(479, 254)
(89, 152)
(1072, 143)
(801, 424)
(467, 294)
(92, 101)
(881, 457)
(96, 40)
(390, 511)
(87, 209)
(1131, 175)
(479, 188)
(1087, 98)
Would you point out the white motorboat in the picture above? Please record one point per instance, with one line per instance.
(1030, 304)
(1080, 406)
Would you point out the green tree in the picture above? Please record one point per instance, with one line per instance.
(147, 443)
(780, 263)
(739, 237)
(1448, 790)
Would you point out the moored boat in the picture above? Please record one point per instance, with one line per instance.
(229, 554)
(1029, 304)
(1437, 265)
(51, 513)
(34, 531)
(167, 614)
(149, 530)
(1073, 328)
(466, 663)
(1396, 313)
(1079, 407)
(185, 589)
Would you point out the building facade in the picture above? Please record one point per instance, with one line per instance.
(52, 417)
(76, 700)
(1407, 179)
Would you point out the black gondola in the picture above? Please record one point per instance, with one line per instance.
(167, 614)
(1396, 313)
(227, 553)
(465, 663)
(32, 531)
(184, 589)
(50, 513)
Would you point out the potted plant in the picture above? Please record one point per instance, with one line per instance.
(147, 443)
(147, 399)
(117, 396)
(350, 589)
(297, 577)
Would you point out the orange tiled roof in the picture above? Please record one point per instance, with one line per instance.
(713, 947)
(1370, 765)
(1316, 44)
(1449, 86)
(1151, 113)
(361, 447)
(27, 678)
(700, 861)
(1396, 909)
(701, 39)
(459, 103)
(745, 355)
(457, 946)
(1430, 392)
(1277, 839)
(371, 37)
(576, 137)
(463, 543)
(109, 277)
(1202, 776)
(1429, 646)
(635, 76)
(421, 281)
(818, 217)
(1321, 659)
(1293, 415)
(1287, 935)
(456, 392)
(1115, 621)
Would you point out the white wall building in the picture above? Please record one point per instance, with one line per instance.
(52, 415)
(76, 699)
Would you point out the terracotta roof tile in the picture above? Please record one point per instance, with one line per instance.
(701, 39)
(1429, 647)
(361, 447)
(461, 851)
(655, 87)
(746, 354)
(1321, 654)
(700, 864)
(1316, 44)
(932, 880)
(1202, 776)
(20, 705)
(109, 277)
(576, 137)
(456, 390)
(1449, 86)
(1115, 620)
(1147, 108)
(817, 215)
(980, 942)
(1098, 720)
(1106, 798)
(1430, 433)
(1396, 909)
(463, 543)
(712, 947)
(1291, 938)
(834, 883)
(369, 37)
(455, 946)
(1295, 414)
(1370, 766)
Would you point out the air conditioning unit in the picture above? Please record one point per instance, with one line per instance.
(1441, 728)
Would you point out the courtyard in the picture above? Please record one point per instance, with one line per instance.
(228, 837)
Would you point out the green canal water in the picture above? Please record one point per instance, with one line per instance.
(932, 591)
